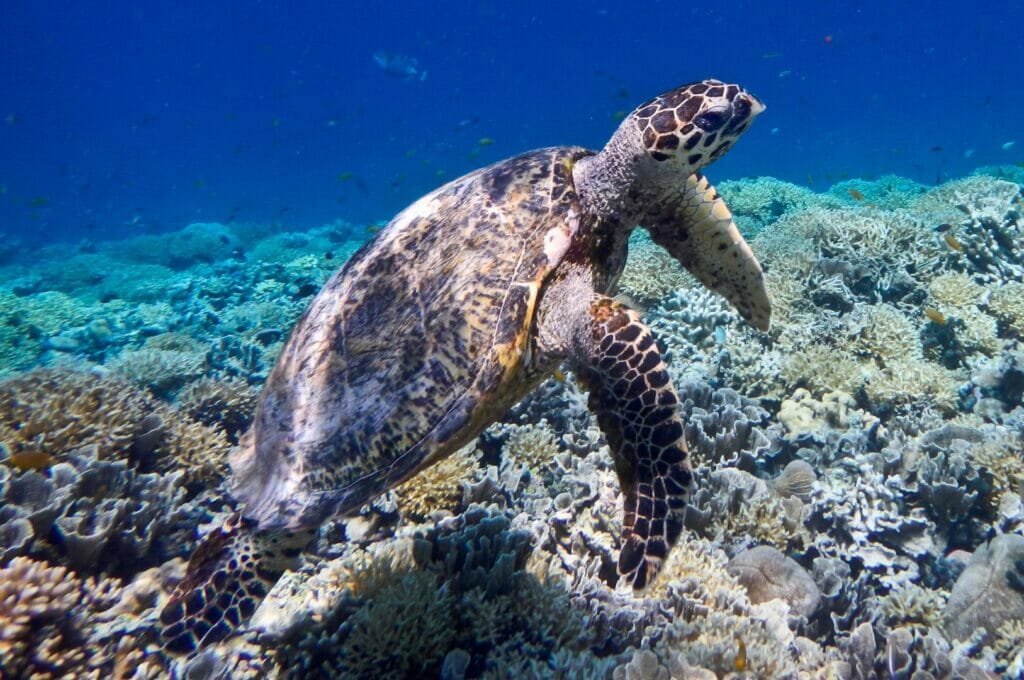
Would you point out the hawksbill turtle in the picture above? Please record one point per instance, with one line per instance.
(454, 312)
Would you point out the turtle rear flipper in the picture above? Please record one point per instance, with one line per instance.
(638, 411)
(697, 229)
(228, 576)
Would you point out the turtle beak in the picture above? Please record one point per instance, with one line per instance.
(756, 105)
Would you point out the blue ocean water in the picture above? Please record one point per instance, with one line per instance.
(120, 118)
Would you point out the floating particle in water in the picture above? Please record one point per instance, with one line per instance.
(771, 55)
(968, 153)
(828, 39)
(1006, 146)
(400, 66)
(775, 130)
(785, 74)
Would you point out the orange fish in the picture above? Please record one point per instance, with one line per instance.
(953, 242)
(30, 460)
(855, 195)
(935, 316)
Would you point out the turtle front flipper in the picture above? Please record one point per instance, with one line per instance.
(697, 229)
(228, 576)
(638, 411)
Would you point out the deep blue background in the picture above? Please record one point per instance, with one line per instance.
(119, 117)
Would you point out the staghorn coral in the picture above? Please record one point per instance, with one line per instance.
(51, 411)
(758, 201)
(227, 404)
(56, 625)
(162, 370)
(438, 488)
(910, 605)
(651, 274)
(534, 446)
(1007, 304)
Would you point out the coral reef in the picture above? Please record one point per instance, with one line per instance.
(859, 507)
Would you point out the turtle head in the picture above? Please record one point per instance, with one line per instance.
(664, 141)
(693, 125)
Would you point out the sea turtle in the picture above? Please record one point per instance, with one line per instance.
(457, 309)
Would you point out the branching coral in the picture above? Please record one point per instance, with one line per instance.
(227, 404)
(438, 488)
(49, 412)
(651, 274)
(161, 370)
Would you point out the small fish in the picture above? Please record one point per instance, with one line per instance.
(936, 149)
(197, 184)
(275, 123)
(968, 153)
(31, 460)
(38, 202)
(12, 119)
(935, 316)
(942, 228)
(810, 178)
(771, 55)
(373, 228)
(740, 662)
(3, 189)
(329, 256)
(440, 173)
(785, 73)
(855, 195)
(344, 176)
(623, 93)
(1006, 146)
(400, 66)
(775, 131)
(466, 122)
(558, 375)
(224, 239)
(411, 153)
(485, 141)
(618, 115)
(953, 242)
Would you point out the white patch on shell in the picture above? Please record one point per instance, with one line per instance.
(557, 240)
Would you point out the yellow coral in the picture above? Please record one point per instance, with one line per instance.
(955, 289)
(887, 335)
(438, 487)
(824, 369)
(535, 446)
(651, 274)
(1007, 303)
(910, 604)
(227, 404)
(52, 411)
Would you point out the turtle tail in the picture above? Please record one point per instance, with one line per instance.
(228, 576)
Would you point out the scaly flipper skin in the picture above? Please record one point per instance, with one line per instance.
(638, 411)
(697, 229)
(227, 578)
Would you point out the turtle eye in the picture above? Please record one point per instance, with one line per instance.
(710, 120)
